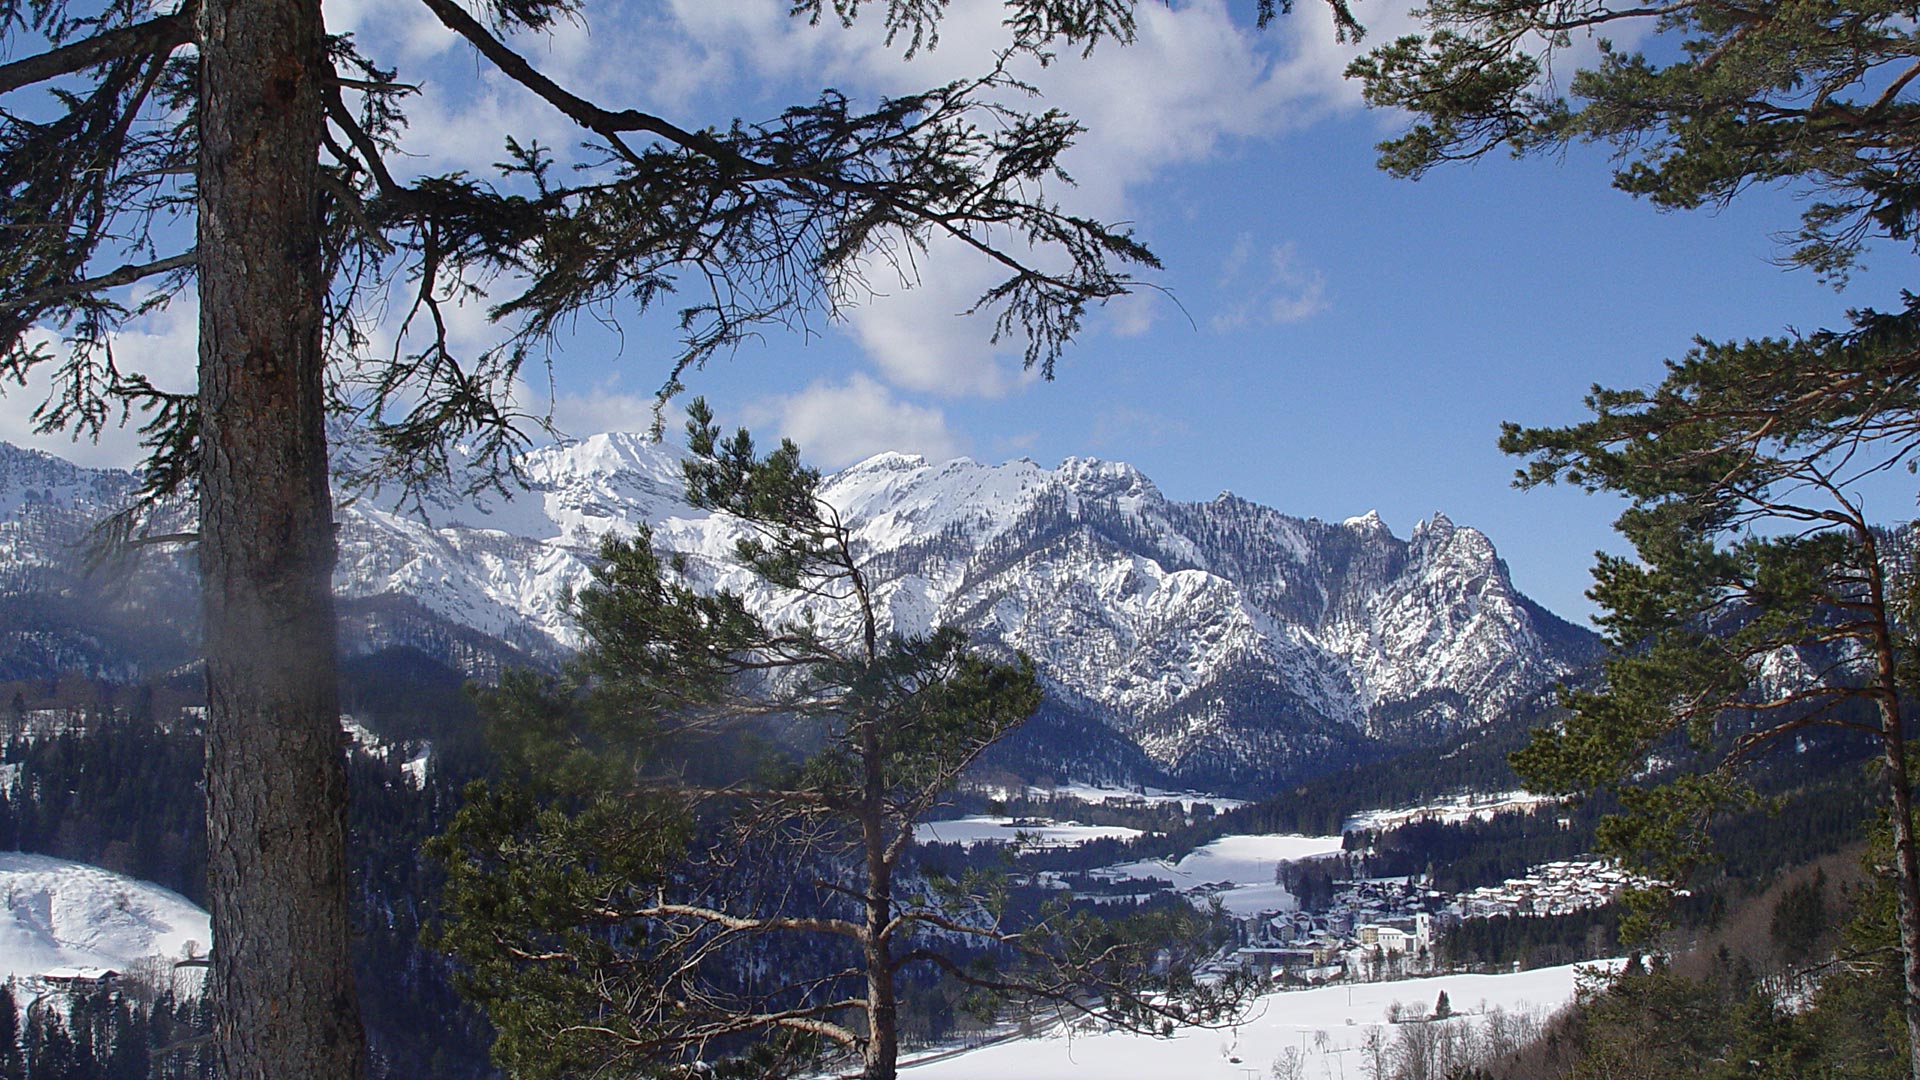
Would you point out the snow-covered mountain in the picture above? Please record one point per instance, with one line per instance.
(1229, 642)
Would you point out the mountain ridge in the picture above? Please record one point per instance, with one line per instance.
(1233, 644)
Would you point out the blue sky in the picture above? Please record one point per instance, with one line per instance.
(1342, 341)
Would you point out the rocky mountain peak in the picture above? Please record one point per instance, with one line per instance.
(1368, 522)
(890, 461)
(1229, 643)
(1096, 478)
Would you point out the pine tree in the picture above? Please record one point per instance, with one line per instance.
(279, 143)
(583, 888)
(1800, 918)
(1751, 535)
(1755, 555)
(12, 1067)
(1709, 101)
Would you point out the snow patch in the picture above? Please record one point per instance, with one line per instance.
(1238, 869)
(1329, 1026)
(984, 829)
(61, 914)
(1468, 807)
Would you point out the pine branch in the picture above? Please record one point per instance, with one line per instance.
(161, 35)
(745, 923)
(125, 274)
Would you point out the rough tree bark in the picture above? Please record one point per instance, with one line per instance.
(276, 780)
(1893, 763)
(1907, 876)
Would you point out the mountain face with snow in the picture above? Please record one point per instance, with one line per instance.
(1227, 643)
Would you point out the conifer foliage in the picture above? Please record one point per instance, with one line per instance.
(236, 149)
(761, 925)
(1716, 98)
(739, 227)
(1765, 605)
(140, 1029)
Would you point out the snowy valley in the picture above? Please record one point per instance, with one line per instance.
(1295, 729)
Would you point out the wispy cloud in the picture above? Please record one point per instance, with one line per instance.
(606, 407)
(837, 424)
(1118, 429)
(1196, 79)
(1284, 290)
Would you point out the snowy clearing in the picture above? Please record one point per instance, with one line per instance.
(1459, 808)
(1296, 1019)
(62, 914)
(1154, 796)
(983, 829)
(1242, 867)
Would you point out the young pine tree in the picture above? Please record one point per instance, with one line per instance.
(770, 923)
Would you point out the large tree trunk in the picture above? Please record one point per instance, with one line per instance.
(880, 1061)
(284, 1005)
(1893, 744)
(1906, 868)
(1905, 873)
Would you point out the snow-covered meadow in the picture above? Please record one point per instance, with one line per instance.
(1460, 808)
(1149, 795)
(1240, 867)
(62, 914)
(989, 829)
(1327, 1028)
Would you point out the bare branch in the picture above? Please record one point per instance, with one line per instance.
(746, 923)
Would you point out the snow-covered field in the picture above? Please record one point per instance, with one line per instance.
(1092, 794)
(1243, 865)
(72, 915)
(1460, 808)
(1328, 1026)
(983, 829)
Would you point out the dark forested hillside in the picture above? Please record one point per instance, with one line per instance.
(110, 775)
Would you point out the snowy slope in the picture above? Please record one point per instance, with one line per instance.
(1236, 645)
(43, 502)
(68, 914)
(1328, 1026)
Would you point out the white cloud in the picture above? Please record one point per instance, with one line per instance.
(838, 424)
(916, 334)
(1193, 81)
(381, 25)
(1236, 259)
(462, 124)
(1017, 444)
(1134, 314)
(163, 346)
(606, 408)
(1287, 291)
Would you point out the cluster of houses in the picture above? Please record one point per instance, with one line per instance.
(1383, 928)
(1374, 928)
(1555, 888)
